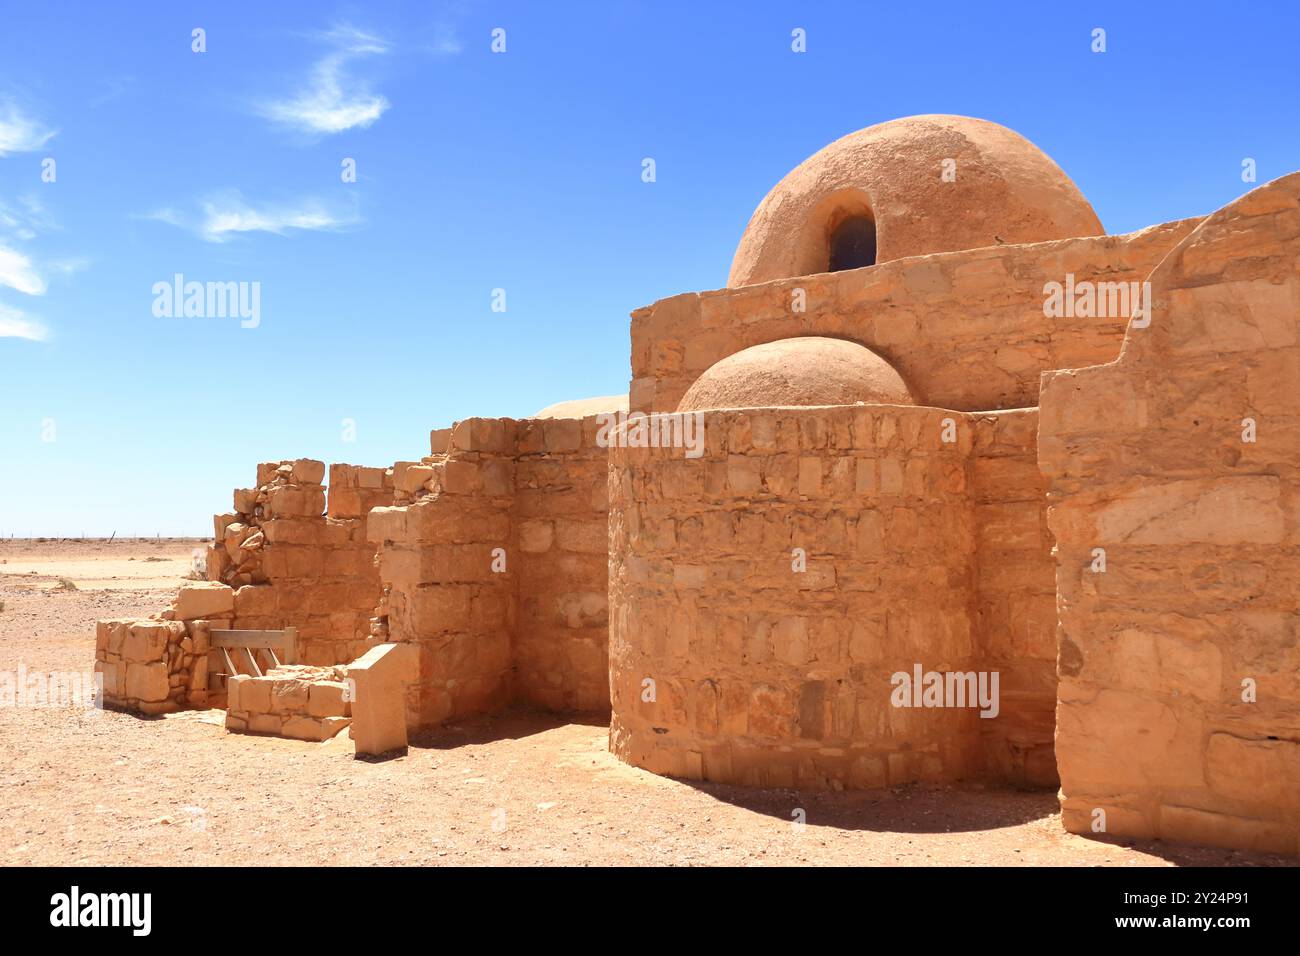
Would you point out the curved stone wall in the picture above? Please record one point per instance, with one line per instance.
(729, 664)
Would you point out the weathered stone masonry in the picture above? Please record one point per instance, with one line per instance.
(1100, 506)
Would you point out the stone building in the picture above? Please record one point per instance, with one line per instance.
(947, 484)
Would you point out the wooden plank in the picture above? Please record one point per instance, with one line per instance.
(290, 649)
(261, 639)
(252, 662)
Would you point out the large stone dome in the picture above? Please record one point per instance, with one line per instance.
(802, 371)
(909, 187)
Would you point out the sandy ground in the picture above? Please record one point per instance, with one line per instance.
(93, 787)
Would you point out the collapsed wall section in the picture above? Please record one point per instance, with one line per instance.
(277, 561)
(293, 565)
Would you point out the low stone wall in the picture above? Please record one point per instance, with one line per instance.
(160, 664)
(1175, 502)
(147, 666)
(763, 596)
(298, 701)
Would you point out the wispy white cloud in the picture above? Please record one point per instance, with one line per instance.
(15, 324)
(18, 272)
(333, 99)
(24, 218)
(227, 215)
(20, 133)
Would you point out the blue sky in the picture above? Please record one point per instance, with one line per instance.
(478, 171)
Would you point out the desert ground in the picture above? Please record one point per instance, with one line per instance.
(88, 787)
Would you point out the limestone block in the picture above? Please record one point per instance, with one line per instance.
(379, 707)
(233, 685)
(303, 728)
(493, 435)
(264, 724)
(289, 696)
(308, 471)
(412, 478)
(1260, 772)
(1241, 510)
(536, 536)
(289, 501)
(459, 477)
(114, 676)
(146, 641)
(562, 435)
(255, 694)
(147, 682)
(204, 599)
(1193, 825)
(254, 601)
(328, 699)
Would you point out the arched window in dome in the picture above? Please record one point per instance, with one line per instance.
(853, 244)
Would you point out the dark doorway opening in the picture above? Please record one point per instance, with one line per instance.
(853, 244)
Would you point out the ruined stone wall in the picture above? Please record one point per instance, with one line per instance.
(305, 703)
(445, 559)
(1179, 713)
(294, 566)
(966, 330)
(561, 512)
(151, 666)
(1015, 597)
(728, 664)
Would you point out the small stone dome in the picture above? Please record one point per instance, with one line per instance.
(801, 371)
(583, 407)
(909, 187)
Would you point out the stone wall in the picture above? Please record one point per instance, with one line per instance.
(1179, 714)
(160, 664)
(1015, 599)
(149, 666)
(729, 663)
(445, 559)
(966, 330)
(495, 564)
(561, 514)
(298, 701)
(294, 566)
